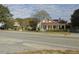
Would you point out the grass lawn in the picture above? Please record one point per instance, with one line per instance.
(59, 32)
(49, 52)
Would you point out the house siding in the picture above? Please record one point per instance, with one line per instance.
(52, 25)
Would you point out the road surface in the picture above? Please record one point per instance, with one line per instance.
(12, 41)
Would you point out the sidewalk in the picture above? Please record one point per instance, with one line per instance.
(55, 34)
(64, 35)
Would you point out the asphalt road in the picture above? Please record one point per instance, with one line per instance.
(12, 42)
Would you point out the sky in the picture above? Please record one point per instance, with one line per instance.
(63, 11)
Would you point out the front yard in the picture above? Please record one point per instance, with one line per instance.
(50, 52)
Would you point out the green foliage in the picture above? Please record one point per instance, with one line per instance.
(28, 23)
(75, 18)
(4, 13)
(6, 16)
(9, 24)
(42, 14)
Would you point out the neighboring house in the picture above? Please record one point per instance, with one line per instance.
(46, 25)
(16, 26)
(20, 27)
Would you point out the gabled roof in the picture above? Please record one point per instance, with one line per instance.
(49, 22)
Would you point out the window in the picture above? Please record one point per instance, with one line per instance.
(62, 26)
(54, 26)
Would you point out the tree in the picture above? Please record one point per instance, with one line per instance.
(42, 14)
(28, 23)
(33, 22)
(4, 13)
(75, 19)
(5, 16)
(22, 22)
(9, 24)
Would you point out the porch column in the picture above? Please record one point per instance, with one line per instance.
(52, 27)
(58, 26)
(46, 27)
(64, 27)
(42, 27)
